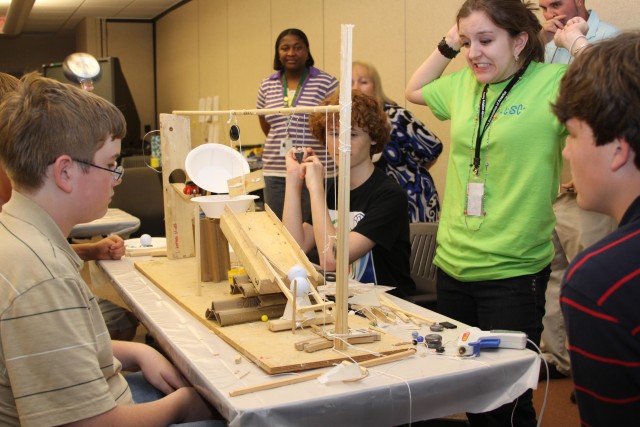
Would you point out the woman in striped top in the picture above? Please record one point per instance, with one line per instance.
(296, 82)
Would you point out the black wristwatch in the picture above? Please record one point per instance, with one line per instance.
(446, 50)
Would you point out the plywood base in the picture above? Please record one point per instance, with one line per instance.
(274, 352)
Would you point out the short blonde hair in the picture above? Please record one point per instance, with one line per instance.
(377, 83)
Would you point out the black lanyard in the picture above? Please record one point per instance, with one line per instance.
(483, 106)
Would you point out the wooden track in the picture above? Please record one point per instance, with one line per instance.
(274, 352)
(255, 236)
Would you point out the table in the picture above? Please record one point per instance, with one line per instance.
(425, 386)
(115, 221)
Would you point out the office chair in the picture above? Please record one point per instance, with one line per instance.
(137, 161)
(140, 194)
(423, 272)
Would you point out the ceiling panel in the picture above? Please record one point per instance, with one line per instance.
(55, 16)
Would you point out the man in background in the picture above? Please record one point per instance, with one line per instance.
(575, 228)
(599, 101)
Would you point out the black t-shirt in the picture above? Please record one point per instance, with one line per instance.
(379, 211)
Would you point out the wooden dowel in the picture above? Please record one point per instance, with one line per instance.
(293, 306)
(147, 252)
(260, 111)
(313, 375)
(387, 302)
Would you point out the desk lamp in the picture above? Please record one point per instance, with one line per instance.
(82, 68)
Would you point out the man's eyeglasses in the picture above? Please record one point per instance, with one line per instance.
(117, 172)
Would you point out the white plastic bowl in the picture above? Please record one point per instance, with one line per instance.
(210, 166)
(213, 206)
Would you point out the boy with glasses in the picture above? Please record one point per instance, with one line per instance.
(59, 365)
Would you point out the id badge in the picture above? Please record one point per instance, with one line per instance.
(475, 196)
(286, 145)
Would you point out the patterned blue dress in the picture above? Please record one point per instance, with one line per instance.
(410, 148)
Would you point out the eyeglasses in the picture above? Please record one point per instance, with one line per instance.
(117, 172)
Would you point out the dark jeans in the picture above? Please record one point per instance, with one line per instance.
(274, 196)
(515, 304)
(144, 392)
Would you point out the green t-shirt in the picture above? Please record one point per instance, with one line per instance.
(521, 160)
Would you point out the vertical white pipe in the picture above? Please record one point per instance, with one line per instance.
(344, 174)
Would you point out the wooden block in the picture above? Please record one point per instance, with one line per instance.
(175, 137)
(277, 325)
(148, 252)
(300, 345)
(252, 182)
(214, 251)
(319, 344)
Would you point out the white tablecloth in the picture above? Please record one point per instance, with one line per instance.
(424, 386)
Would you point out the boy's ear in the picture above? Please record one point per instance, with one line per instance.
(375, 148)
(63, 173)
(623, 154)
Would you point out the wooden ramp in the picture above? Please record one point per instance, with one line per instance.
(259, 238)
(274, 352)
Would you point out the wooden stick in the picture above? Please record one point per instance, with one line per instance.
(387, 303)
(279, 281)
(342, 243)
(147, 252)
(313, 375)
(403, 317)
(196, 218)
(277, 325)
(293, 306)
(260, 111)
(314, 307)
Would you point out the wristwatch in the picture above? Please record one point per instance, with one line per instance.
(446, 50)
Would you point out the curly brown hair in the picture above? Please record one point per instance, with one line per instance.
(366, 113)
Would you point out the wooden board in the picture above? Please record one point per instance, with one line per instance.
(274, 352)
(258, 238)
(175, 136)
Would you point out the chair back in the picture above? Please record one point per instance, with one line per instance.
(137, 161)
(140, 194)
(423, 249)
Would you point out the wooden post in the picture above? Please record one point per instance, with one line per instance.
(175, 136)
(214, 251)
(342, 273)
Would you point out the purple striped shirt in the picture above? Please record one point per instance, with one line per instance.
(317, 86)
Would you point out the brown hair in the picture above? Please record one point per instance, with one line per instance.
(513, 16)
(44, 119)
(8, 83)
(366, 113)
(602, 88)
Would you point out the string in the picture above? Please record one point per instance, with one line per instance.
(144, 158)
(329, 237)
(405, 383)
(235, 123)
(546, 388)
(286, 129)
(375, 370)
